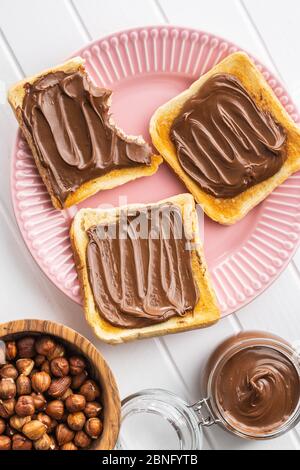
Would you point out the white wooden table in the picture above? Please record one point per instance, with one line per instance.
(35, 34)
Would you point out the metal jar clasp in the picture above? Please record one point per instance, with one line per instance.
(204, 412)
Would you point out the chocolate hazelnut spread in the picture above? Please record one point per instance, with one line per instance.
(140, 267)
(255, 386)
(224, 141)
(68, 119)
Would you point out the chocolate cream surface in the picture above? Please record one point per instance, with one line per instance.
(68, 119)
(224, 142)
(258, 390)
(140, 268)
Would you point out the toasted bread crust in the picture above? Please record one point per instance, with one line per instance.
(229, 211)
(205, 313)
(108, 181)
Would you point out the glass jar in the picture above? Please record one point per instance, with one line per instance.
(159, 420)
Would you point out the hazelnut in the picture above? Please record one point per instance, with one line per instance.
(93, 427)
(23, 385)
(26, 347)
(20, 442)
(8, 371)
(75, 403)
(46, 367)
(67, 394)
(41, 382)
(59, 367)
(55, 409)
(58, 351)
(44, 345)
(5, 443)
(7, 408)
(25, 366)
(34, 430)
(17, 422)
(76, 421)
(8, 389)
(11, 350)
(46, 420)
(77, 365)
(39, 401)
(63, 434)
(82, 440)
(90, 390)
(25, 406)
(92, 409)
(39, 360)
(78, 380)
(58, 387)
(69, 446)
(2, 426)
(44, 443)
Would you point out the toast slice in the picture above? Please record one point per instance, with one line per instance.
(111, 179)
(204, 314)
(229, 211)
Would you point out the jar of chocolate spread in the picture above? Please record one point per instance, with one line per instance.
(251, 386)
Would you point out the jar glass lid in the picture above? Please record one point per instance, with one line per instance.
(158, 420)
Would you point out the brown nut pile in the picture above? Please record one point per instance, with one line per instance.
(47, 399)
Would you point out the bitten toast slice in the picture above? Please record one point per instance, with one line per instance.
(229, 210)
(111, 179)
(206, 311)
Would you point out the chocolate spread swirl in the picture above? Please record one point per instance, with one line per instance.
(224, 142)
(68, 119)
(258, 389)
(140, 268)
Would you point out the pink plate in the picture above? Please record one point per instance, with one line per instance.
(145, 68)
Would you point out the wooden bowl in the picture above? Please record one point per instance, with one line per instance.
(97, 367)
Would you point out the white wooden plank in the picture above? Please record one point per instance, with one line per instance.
(40, 33)
(8, 129)
(190, 352)
(276, 310)
(223, 18)
(141, 365)
(27, 292)
(278, 25)
(228, 442)
(10, 73)
(102, 17)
